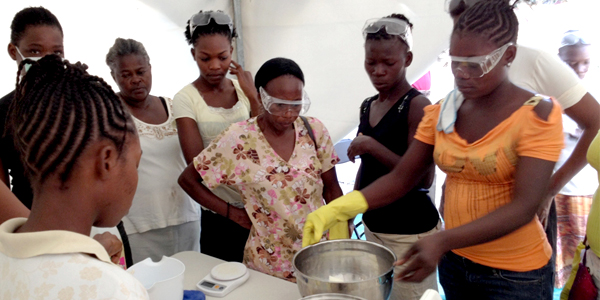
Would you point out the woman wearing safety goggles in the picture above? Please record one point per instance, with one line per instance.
(281, 164)
(206, 107)
(497, 144)
(546, 74)
(387, 125)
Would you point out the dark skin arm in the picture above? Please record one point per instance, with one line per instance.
(367, 145)
(531, 181)
(331, 186)
(586, 113)
(247, 84)
(191, 182)
(396, 184)
(189, 138)
(363, 144)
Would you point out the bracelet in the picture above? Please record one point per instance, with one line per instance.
(227, 211)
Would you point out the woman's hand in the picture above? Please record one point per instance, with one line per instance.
(245, 80)
(421, 259)
(360, 145)
(240, 216)
(112, 244)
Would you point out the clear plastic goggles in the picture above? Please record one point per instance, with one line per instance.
(203, 18)
(280, 107)
(392, 26)
(574, 37)
(477, 66)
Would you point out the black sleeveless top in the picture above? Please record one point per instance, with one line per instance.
(414, 213)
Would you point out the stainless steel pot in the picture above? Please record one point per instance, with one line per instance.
(351, 267)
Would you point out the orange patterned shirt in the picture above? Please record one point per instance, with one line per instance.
(480, 179)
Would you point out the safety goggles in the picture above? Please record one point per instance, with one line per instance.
(451, 5)
(574, 38)
(280, 107)
(391, 26)
(477, 66)
(203, 18)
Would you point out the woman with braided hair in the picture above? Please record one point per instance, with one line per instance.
(498, 144)
(80, 150)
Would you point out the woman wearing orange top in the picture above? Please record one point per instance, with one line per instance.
(497, 143)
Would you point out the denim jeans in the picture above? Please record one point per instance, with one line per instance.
(463, 279)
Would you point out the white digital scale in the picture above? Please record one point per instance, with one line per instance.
(223, 279)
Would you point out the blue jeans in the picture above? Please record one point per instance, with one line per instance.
(463, 279)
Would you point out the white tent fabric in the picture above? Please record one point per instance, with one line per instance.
(324, 37)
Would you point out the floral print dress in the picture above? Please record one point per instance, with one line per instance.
(277, 194)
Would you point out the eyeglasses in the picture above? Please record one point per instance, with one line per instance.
(573, 37)
(280, 107)
(392, 26)
(203, 18)
(451, 5)
(477, 66)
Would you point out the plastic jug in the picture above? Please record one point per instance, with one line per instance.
(163, 279)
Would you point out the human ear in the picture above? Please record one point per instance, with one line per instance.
(193, 51)
(510, 54)
(106, 161)
(409, 58)
(12, 51)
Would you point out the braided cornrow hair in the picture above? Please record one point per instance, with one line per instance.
(59, 109)
(493, 19)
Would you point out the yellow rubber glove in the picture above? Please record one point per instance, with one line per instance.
(339, 210)
(339, 231)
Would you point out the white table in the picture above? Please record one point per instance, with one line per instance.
(259, 286)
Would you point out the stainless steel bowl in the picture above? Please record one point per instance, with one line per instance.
(332, 297)
(350, 267)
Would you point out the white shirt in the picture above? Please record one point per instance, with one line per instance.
(544, 73)
(159, 201)
(59, 264)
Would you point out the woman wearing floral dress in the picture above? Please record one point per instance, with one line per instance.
(280, 173)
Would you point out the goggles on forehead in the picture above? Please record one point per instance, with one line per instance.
(573, 37)
(280, 107)
(477, 66)
(203, 18)
(391, 26)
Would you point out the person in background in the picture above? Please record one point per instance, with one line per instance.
(575, 51)
(206, 107)
(574, 200)
(388, 122)
(163, 220)
(84, 176)
(498, 144)
(34, 33)
(546, 74)
(281, 164)
(591, 247)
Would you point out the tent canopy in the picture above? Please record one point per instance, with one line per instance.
(323, 37)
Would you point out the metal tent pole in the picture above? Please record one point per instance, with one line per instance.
(237, 17)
